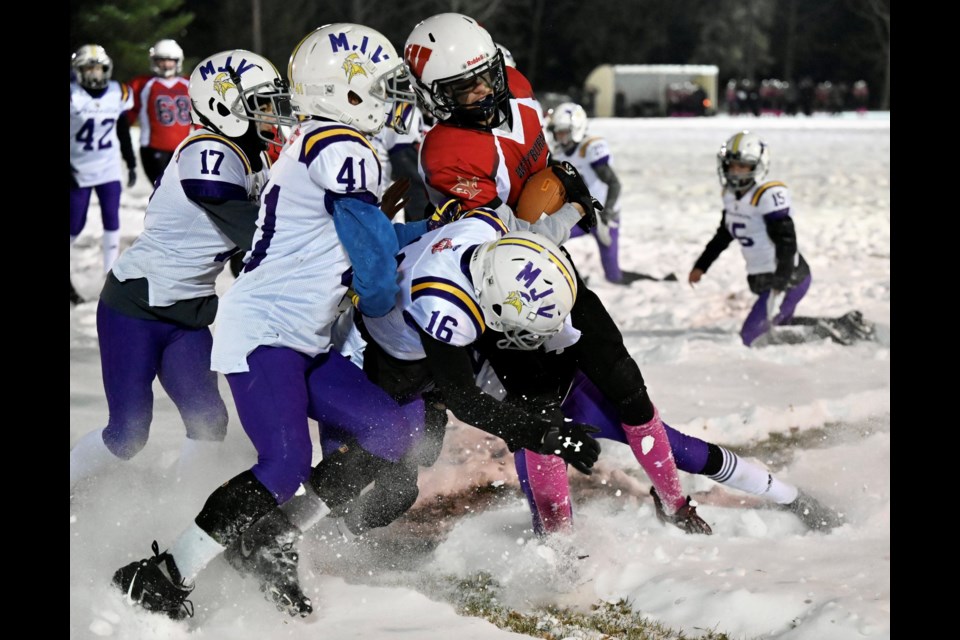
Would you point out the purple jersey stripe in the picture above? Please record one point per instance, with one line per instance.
(452, 292)
(269, 228)
(777, 215)
(490, 217)
(605, 160)
(199, 190)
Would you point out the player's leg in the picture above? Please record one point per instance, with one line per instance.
(108, 194)
(187, 378)
(129, 357)
(79, 204)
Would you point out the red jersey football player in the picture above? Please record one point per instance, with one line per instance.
(488, 140)
(161, 107)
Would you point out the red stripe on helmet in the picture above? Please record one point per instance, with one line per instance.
(416, 57)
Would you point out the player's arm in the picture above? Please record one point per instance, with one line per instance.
(221, 192)
(371, 242)
(782, 232)
(607, 175)
(555, 226)
(126, 147)
(131, 114)
(721, 240)
(452, 372)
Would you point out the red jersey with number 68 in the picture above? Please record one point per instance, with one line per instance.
(478, 167)
(161, 107)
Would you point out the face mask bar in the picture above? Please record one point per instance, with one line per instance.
(250, 104)
(393, 87)
(485, 112)
(521, 340)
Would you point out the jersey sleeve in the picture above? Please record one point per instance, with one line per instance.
(212, 168)
(135, 86)
(444, 310)
(772, 200)
(597, 152)
(126, 96)
(343, 162)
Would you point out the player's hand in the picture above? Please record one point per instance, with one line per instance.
(449, 211)
(394, 197)
(695, 276)
(131, 177)
(577, 191)
(572, 442)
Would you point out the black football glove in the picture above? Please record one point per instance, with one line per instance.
(572, 442)
(576, 190)
(131, 177)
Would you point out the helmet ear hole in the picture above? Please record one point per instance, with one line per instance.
(497, 309)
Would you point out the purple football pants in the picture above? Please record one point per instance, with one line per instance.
(283, 388)
(757, 324)
(133, 352)
(608, 255)
(587, 405)
(109, 196)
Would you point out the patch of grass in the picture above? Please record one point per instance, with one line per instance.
(477, 596)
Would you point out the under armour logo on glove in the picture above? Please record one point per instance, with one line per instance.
(572, 442)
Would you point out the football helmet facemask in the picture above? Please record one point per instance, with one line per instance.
(92, 66)
(747, 148)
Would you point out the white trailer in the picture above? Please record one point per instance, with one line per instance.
(644, 87)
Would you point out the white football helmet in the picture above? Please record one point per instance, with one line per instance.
(91, 66)
(166, 50)
(525, 286)
(567, 122)
(446, 55)
(742, 147)
(231, 89)
(507, 56)
(348, 73)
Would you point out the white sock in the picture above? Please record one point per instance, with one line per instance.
(748, 476)
(111, 248)
(194, 550)
(305, 508)
(90, 456)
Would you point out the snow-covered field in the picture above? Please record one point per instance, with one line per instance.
(760, 575)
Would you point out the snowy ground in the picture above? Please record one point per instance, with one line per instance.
(760, 575)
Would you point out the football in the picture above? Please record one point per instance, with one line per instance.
(542, 193)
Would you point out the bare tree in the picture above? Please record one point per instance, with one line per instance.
(877, 12)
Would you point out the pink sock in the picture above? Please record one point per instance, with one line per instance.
(652, 450)
(551, 490)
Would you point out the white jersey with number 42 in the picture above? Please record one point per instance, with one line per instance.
(94, 145)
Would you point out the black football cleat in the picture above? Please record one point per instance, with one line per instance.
(155, 584)
(685, 518)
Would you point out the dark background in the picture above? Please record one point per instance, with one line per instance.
(556, 44)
